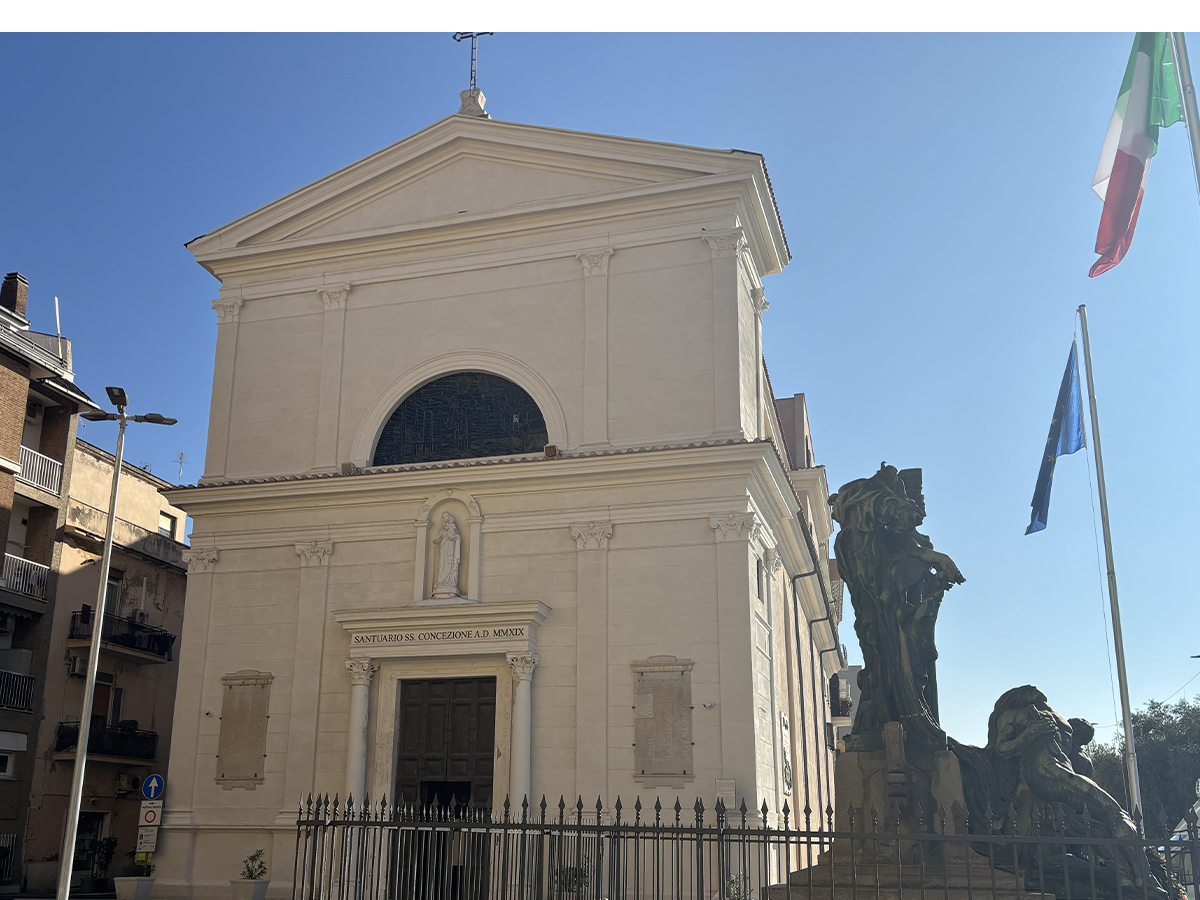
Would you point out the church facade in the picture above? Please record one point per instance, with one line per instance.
(497, 500)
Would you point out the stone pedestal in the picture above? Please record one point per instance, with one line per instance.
(880, 795)
(893, 786)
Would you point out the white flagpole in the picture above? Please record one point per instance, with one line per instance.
(1188, 91)
(1131, 769)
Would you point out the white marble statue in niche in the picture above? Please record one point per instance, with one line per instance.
(449, 544)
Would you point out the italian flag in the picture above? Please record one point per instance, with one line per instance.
(1149, 100)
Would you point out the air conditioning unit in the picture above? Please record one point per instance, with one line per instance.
(139, 616)
(128, 784)
(79, 666)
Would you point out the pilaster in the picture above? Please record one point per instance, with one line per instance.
(333, 300)
(733, 534)
(758, 302)
(176, 856)
(726, 247)
(229, 313)
(300, 768)
(591, 658)
(595, 345)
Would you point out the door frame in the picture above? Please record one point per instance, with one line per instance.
(381, 754)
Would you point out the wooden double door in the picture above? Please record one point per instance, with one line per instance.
(447, 741)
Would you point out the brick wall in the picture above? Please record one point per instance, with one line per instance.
(14, 396)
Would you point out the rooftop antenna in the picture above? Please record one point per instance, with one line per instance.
(472, 98)
(182, 460)
(58, 327)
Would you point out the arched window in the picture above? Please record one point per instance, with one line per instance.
(461, 416)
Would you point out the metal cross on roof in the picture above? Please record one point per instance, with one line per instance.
(474, 36)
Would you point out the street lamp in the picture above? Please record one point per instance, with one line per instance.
(117, 396)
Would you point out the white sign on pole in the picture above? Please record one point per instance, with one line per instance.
(147, 839)
(151, 813)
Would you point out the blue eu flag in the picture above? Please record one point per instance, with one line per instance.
(1066, 436)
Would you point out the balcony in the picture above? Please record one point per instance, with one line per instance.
(122, 636)
(107, 742)
(40, 471)
(16, 691)
(25, 576)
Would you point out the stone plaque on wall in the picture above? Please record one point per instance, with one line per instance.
(242, 745)
(663, 721)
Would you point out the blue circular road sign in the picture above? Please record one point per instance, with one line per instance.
(152, 787)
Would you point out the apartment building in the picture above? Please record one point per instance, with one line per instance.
(39, 405)
(135, 690)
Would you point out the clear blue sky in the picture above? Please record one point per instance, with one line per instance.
(936, 194)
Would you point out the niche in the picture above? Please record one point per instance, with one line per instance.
(448, 534)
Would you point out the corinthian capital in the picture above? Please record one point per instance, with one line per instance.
(592, 536)
(724, 244)
(361, 670)
(735, 526)
(333, 296)
(595, 262)
(314, 553)
(201, 559)
(522, 665)
(228, 310)
(758, 300)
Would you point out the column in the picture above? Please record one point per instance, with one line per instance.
(591, 659)
(522, 665)
(758, 301)
(228, 311)
(733, 533)
(726, 246)
(595, 346)
(301, 766)
(361, 671)
(333, 298)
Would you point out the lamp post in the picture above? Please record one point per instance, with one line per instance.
(117, 397)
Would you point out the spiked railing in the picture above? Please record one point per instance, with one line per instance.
(377, 851)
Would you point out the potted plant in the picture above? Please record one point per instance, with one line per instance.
(135, 885)
(101, 860)
(253, 883)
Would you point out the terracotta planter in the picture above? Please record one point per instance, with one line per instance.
(133, 887)
(249, 888)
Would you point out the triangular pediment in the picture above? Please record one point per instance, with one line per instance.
(461, 168)
(469, 182)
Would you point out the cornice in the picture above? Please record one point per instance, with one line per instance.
(384, 486)
(427, 263)
(521, 219)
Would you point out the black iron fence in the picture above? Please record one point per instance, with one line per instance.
(124, 632)
(381, 852)
(109, 740)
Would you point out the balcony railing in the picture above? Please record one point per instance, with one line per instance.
(25, 576)
(109, 740)
(123, 632)
(40, 471)
(16, 691)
